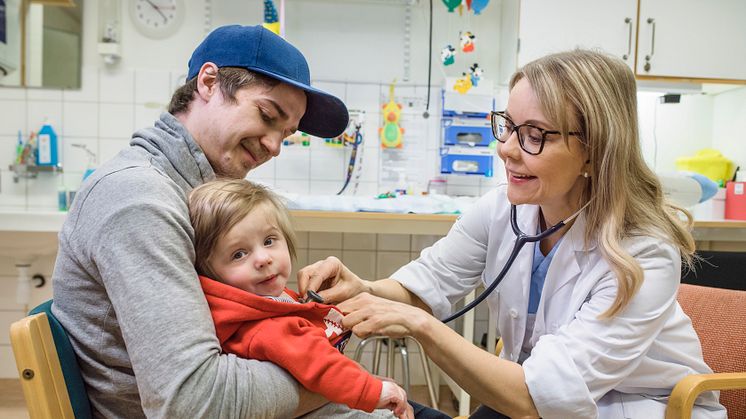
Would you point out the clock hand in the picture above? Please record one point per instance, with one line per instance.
(157, 9)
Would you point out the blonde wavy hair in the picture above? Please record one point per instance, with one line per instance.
(216, 206)
(595, 94)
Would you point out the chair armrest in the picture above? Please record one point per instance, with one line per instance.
(682, 398)
(499, 346)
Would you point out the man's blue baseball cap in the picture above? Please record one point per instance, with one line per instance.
(260, 50)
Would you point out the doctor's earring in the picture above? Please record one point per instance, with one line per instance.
(586, 175)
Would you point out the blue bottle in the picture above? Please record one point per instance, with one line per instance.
(47, 145)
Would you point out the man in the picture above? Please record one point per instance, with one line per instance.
(125, 288)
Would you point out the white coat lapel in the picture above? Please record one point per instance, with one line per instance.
(515, 289)
(565, 266)
(528, 221)
(563, 270)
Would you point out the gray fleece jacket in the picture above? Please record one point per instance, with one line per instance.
(126, 291)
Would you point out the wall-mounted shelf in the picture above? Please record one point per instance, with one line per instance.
(29, 171)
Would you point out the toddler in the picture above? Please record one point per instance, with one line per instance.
(244, 247)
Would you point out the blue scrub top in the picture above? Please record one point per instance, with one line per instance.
(538, 275)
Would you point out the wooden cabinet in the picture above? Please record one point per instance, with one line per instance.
(659, 39)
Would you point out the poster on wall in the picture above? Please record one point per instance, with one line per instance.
(402, 168)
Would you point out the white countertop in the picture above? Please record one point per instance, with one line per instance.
(23, 221)
(45, 224)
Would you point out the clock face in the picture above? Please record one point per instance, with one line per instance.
(157, 18)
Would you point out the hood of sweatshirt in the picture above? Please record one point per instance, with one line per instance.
(232, 307)
(173, 149)
(238, 305)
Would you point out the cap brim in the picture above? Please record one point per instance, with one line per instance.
(326, 115)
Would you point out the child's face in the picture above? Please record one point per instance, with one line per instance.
(253, 255)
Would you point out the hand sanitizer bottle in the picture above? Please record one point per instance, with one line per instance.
(47, 146)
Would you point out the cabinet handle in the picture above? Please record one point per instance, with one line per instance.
(628, 21)
(648, 57)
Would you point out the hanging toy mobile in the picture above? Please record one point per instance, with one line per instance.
(478, 5)
(271, 20)
(451, 4)
(447, 55)
(475, 74)
(463, 84)
(467, 41)
(391, 133)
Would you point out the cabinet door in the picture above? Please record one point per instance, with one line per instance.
(692, 39)
(548, 26)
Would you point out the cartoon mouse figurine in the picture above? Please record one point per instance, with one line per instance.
(447, 55)
(475, 72)
(467, 41)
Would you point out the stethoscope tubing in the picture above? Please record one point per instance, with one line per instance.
(520, 240)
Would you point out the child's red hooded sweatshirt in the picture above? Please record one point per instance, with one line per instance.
(305, 339)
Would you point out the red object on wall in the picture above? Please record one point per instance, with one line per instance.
(735, 201)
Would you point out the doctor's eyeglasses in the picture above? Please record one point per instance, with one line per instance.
(530, 137)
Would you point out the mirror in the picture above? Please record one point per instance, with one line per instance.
(41, 43)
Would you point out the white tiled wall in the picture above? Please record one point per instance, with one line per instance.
(357, 66)
(112, 104)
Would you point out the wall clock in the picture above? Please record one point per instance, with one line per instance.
(157, 19)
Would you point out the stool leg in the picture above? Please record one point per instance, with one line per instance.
(359, 349)
(428, 377)
(404, 362)
(377, 356)
(390, 359)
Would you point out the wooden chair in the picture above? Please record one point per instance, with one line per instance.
(719, 318)
(48, 368)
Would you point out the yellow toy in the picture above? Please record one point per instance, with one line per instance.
(463, 84)
(271, 20)
(391, 133)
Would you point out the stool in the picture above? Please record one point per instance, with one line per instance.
(401, 345)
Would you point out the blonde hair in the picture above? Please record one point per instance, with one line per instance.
(216, 206)
(595, 94)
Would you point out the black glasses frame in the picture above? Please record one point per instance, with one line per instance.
(517, 130)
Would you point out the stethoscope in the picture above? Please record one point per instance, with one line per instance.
(520, 240)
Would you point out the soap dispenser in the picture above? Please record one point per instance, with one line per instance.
(47, 145)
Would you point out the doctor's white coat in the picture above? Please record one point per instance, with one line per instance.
(580, 366)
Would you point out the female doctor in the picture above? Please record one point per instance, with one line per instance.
(588, 315)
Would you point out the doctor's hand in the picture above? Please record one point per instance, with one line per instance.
(333, 281)
(368, 315)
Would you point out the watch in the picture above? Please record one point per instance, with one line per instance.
(157, 19)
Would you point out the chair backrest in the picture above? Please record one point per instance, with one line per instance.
(48, 367)
(719, 318)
